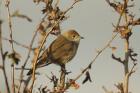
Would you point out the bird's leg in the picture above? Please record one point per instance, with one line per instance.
(62, 77)
(64, 70)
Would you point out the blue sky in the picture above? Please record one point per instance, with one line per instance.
(93, 20)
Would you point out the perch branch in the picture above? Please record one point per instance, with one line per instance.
(62, 77)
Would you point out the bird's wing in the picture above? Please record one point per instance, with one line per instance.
(62, 50)
(45, 59)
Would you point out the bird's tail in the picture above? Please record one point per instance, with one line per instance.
(42, 61)
(38, 65)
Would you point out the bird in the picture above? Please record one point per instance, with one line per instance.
(61, 51)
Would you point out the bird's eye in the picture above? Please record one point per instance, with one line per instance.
(73, 36)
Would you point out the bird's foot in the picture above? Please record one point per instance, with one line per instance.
(63, 69)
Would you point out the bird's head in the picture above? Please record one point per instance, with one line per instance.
(72, 35)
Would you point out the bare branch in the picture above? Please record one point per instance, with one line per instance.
(117, 59)
(132, 55)
(90, 65)
(7, 3)
(29, 52)
(22, 45)
(125, 31)
(120, 87)
(99, 52)
(13, 77)
(19, 15)
(132, 69)
(106, 90)
(3, 60)
(126, 79)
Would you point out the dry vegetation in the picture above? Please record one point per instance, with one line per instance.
(50, 24)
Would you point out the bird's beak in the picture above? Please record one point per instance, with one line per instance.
(81, 37)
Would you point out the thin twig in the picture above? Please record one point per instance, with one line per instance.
(34, 64)
(38, 53)
(17, 43)
(118, 59)
(126, 79)
(29, 52)
(57, 2)
(13, 78)
(7, 3)
(106, 90)
(26, 60)
(127, 55)
(103, 49)
(3, 60)
(100, 52)
(22, 68)
(132, 69)
(126, 69)
(76, 1)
